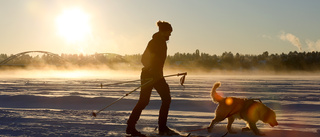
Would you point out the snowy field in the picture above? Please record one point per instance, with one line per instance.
(62, 106)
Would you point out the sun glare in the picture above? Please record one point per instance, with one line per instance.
(74, 25)
(229, 101)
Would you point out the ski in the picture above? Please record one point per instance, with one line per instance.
(153, 132)
(176, 134)
(158, 135)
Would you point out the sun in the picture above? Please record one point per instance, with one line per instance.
(74, 25)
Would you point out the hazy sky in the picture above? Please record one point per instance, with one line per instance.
(126, 26)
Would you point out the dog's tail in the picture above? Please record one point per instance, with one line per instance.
(214, 95)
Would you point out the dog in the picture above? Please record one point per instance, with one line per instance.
(238, 108)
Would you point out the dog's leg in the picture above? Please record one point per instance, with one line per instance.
(230, 121)
(213, 122)
(255, 130)
(245, 129)
(216, 120)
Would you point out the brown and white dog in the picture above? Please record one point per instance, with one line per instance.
(247, 109)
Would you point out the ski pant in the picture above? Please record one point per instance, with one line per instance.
(163, 90)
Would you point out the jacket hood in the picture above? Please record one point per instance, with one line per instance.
(158, 36)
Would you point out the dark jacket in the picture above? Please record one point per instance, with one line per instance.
(154, 56)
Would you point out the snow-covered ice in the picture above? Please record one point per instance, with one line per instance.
(63, 106)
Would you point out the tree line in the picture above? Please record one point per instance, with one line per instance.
(292, 61)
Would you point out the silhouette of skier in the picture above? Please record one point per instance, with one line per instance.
(153, 60)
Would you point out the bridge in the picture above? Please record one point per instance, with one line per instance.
(4, 62)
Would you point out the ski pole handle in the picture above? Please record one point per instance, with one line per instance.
(179, 74)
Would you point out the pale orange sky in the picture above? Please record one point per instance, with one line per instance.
(125, 26)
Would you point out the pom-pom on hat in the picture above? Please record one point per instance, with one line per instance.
(164, 26)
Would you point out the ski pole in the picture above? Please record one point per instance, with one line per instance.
(178, 74)
(119, 83)
(95, 114)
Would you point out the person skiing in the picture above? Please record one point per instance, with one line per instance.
(153, 59)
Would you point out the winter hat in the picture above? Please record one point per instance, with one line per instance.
(164, 26)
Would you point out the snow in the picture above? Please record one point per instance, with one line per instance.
(35, 106)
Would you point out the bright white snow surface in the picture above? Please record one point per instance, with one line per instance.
(63, 106)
